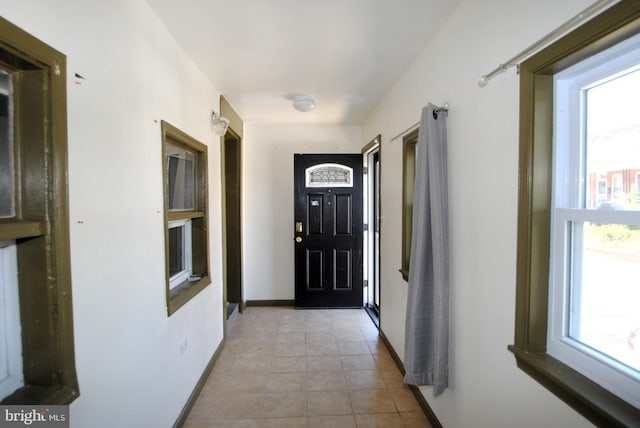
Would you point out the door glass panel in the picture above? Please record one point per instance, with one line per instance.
(7, 187)
(181, 178)
(329, 175)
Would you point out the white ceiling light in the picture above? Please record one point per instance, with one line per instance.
(304, 103)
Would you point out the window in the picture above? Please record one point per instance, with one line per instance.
(329, 175)
(567, 277)
(181, 178)
(595, 253)
(184, 162)
(11, 377)
(409, 143)
(180, 267)
(36, 318)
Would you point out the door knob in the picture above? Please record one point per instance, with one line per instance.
(298, 239)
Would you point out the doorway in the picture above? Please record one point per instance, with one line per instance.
(328, 230)
(232, 158)
(372, 216)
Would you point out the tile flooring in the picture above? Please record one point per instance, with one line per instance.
(283, 367)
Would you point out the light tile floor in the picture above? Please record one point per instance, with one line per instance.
(282, 367)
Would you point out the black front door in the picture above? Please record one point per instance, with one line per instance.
(328, 230)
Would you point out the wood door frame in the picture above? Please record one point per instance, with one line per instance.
(232, 160)
(231, 176)
(370, 256)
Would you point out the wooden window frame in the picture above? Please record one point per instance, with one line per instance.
(409, 144)
(179, 295)
(534, 207)
(40, 226)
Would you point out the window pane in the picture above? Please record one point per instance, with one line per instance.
(613, 142)
(329, 175)
(11, 375)
(7, 189)
(605, 291)
(409, 167)
(181, 178)
(176, 250)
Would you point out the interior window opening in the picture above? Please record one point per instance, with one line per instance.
(595, 321)
(184, 161)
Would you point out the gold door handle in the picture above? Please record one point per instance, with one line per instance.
(298, 227)
(298, 239)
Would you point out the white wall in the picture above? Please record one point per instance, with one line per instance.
(268, 199)
(129, 366)
(486, 388)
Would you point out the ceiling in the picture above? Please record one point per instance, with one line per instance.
(345, 53)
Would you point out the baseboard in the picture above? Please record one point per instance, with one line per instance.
(394, 355)
(428, 411)
(270, 302)
(182, 418)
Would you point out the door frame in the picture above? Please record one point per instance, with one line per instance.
(231, 176)
(371, 254)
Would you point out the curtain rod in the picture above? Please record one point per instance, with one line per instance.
(444, 108)
(585, 15)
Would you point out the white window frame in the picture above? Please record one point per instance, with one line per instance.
(187, 254)
(11, 374)
(569, 213)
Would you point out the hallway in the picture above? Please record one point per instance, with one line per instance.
(282, 367)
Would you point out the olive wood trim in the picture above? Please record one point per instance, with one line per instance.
(409, 143)
(372, 145)
(44, 257)
(183, 215)
(534, 203)
(180, 295)
(284, 302)
(424, 405)
(588, 398)
(22, 229)
(193, 397)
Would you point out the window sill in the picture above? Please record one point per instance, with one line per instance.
(21, 229)
(184, 292)
(36, 395)
(587, 397)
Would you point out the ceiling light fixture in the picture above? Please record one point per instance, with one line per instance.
(304, 103)
(220, 124)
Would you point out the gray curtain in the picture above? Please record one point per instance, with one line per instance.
(426, 353)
